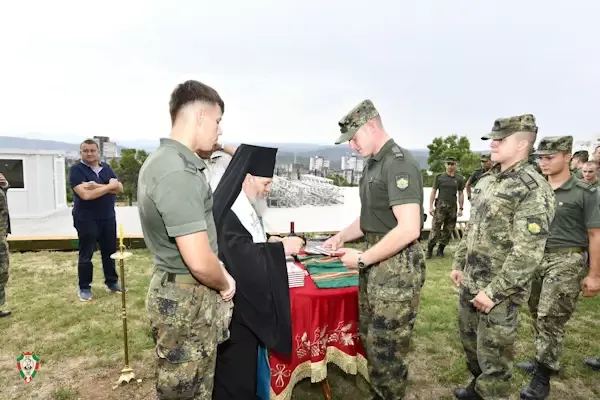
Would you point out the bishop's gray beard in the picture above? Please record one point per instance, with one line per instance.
(260, 205)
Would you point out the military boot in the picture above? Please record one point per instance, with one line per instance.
(467, 393)
(527, 366)
(539, 388)
(430, 247)
(593, 362)
(440, 251)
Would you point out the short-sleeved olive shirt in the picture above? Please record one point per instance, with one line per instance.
(577, 210)
(578, 173)
(174, 199)
(391, 177)
(447, 186)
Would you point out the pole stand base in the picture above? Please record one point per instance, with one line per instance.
(127, 376)
(121, 255)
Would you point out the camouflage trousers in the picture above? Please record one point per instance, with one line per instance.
(554, 293)
(188, 322)
(388, 300)
(443, 223)
(488, 341)
(4, 262)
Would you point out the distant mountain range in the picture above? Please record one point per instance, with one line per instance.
(287, 154)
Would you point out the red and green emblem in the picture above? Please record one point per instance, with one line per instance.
(28, 365)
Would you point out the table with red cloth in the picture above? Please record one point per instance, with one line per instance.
(324, 330)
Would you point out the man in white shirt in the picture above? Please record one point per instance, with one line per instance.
(217, 162)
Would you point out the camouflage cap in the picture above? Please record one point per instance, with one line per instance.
(450, 160)
(554, 144)
(504, 127)
(356, 118)
(484, 157)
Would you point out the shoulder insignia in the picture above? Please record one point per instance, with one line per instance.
(585, 186)
(528, 181)
(397, 152)
(402, 181)
(188, 165)
(533, 226)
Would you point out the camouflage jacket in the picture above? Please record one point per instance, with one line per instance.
(511, 213)
(4, 217)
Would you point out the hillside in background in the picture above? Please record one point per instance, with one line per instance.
(13, 142)
(301, 152)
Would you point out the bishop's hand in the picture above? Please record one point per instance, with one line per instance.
(292, 245)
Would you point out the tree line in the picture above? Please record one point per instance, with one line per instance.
(450, 146)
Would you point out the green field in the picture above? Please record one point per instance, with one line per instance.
(81, 344)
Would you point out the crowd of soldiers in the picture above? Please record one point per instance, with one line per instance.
(450, 185)
(533, 237)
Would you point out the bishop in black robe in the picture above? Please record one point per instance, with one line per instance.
(261, 316)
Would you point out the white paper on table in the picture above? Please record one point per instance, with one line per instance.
(294, 269)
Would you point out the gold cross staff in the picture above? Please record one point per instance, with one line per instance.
(126, 373)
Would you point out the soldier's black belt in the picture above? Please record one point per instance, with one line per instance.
(565, 250)
(186, 279)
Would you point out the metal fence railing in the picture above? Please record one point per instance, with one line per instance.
(309, 190)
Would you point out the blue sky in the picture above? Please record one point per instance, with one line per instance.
(288, 71)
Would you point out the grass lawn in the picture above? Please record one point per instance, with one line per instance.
(81, 344)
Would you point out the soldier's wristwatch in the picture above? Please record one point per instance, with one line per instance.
(361, 263)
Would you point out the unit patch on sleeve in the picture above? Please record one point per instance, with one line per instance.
(402, 181)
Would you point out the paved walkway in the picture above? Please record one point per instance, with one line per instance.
(306, 219)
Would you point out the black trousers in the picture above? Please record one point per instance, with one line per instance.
(236, 369)
(104, 233)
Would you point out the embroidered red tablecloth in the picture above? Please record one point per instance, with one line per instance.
(324, 330)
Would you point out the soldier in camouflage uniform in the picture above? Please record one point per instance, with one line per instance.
(512, 209)
(4, 186)
(486, 164)
(391, 219)
(188, 301)
(579, 158)
(4, 258)
(443, 208)
(557, 281)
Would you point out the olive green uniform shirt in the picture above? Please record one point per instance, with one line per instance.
(391, 177)
(447, 187)
(578, 173)
(174, 199)
(577, 210)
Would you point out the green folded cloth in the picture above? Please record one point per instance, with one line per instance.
(319, 271)
(346, 281)
(304, 257)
